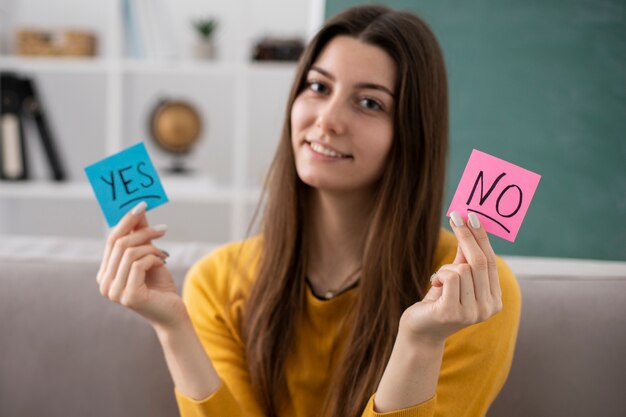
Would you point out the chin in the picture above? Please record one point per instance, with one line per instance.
(323, 181)
(327, 184)
(313, 181)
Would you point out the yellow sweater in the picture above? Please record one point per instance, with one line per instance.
(475, 364)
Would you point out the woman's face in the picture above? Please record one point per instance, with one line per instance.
(342, 122)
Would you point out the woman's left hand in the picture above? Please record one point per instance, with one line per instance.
(462, 293)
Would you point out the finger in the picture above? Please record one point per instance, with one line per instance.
(130, 255)
(459, 258)
(143, 222)
(480, 234)
(435, 281)
(451, 287)
(479, 281)
(434, 293)
(468, 293)
(137, 275)
(137, 238)
(137, 278)
(473, 253)
(135, 218)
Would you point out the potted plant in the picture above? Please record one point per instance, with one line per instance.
(205, 46)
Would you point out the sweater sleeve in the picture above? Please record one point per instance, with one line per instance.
(211, 297)
(476, 362)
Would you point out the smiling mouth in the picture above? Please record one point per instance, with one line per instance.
(324, 151)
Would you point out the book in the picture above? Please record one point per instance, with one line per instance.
(146, 28)
(149, 31)
(13, 163)
(133, 37)
(32, 106)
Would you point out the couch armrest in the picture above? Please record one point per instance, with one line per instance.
(569, 358)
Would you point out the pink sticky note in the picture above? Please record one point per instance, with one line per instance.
(498, 191)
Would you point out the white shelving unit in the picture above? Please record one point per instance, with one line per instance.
(97, 107)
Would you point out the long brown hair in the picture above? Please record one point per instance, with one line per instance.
(403, 233)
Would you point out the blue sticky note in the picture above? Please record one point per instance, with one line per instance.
(123, 180)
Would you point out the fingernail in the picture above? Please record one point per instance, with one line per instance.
(139, 208)
(164, 261)
(473, 219)
(159, 228)
(456, 219)
(165, 253)
(432, 277)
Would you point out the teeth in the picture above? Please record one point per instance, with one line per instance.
(325, 151)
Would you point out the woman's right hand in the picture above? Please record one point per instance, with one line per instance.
(133, 272)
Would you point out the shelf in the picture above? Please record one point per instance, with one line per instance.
(99, 105)
(52, 64)
(202, 190)
(44, 190)
(179, 190)
(138, 66)
(178, 67)
(272, 67)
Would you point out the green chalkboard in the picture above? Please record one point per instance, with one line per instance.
(542, 84)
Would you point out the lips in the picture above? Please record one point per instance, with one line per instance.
(326, 150)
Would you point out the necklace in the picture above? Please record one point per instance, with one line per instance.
(331, 293)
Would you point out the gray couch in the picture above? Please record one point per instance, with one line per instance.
(66, 351)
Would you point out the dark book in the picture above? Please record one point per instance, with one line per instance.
(31, 106)
(278, 49)
(13, 164)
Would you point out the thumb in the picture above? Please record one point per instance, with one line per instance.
(433, 294)
(142, 222)
(460, 257)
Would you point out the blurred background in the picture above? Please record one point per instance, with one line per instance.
(203, 83)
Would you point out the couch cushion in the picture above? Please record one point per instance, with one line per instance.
(67, 351)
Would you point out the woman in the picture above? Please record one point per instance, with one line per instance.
(352, 301)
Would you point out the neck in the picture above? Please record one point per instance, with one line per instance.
(337, 230)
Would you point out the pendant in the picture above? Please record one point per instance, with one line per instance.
(329, 295)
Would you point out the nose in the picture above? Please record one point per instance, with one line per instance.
(331, 117)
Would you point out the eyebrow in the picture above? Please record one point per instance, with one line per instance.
(359, 85)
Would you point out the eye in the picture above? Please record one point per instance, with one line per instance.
(370, 104)
(317, 86)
